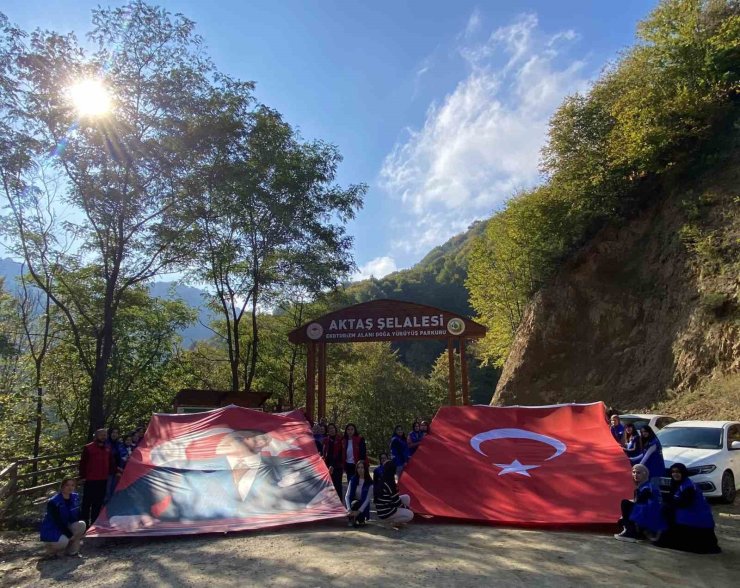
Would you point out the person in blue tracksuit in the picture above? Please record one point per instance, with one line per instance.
(617, 428)
(651, 455)
(632, 441)
(359, 496)
(415, 437)
(689, 516)
(643, 515)
(62, 528)
(399, 449)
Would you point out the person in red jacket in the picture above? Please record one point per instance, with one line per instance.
(353, 450)
(332, 454)
(96, 464)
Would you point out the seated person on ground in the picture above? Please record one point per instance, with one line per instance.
(62, 528)
(689, 516)
(358, 497)
(391, 507)
(642, 516)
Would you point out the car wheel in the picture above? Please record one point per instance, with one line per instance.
(728, 487)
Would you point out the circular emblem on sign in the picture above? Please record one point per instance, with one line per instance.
(314, 331)
(456, 326)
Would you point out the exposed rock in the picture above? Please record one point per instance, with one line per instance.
(641, 311)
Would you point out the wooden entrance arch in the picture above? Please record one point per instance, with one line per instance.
(382, 320)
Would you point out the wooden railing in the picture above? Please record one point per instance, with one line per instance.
(29, 476)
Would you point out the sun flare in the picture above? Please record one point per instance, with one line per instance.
(90, 98)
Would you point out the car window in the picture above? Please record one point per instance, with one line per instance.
(733, 434)
(697, 437)
(662, 422)
(638, 422)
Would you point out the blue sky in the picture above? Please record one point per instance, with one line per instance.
(441, 107)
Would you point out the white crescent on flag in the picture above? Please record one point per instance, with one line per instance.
(516, 467)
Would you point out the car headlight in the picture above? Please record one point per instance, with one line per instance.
(705, 469)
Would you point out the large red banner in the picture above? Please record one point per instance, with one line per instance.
(534, 466)
(224, 470)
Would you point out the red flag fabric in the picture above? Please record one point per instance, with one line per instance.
(229, 469)
(532, 466)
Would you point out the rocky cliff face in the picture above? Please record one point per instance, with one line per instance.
(642, 312)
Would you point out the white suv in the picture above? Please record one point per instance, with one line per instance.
(656, 421)
(711, 452)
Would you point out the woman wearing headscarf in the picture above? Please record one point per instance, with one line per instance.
(651, 455)
(642, 515)
(690, 521)
(359, 495)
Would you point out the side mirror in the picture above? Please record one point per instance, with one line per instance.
(735, 445)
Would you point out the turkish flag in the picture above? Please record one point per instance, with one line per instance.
(532, 466)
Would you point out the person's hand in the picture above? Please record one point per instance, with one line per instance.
(130, 523)
(331, 469)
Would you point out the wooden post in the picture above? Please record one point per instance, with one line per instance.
(322, 381)
(310, 381)
(464, 373)
(451, 360)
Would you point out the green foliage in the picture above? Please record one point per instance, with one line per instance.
(373, 390)
(665, 109)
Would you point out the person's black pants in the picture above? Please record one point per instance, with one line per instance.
(350, 469)
(93, 496)
(627, 506)
(336, 479)
(356, 504)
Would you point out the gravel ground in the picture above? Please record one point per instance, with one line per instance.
(330, 554)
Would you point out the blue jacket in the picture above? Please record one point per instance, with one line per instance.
(352, 490)
(691, 507)
(632, 447)
(617, 432)
(415, 437)
(59, 515)
(647, 513)
(399, 450)
(651, 458)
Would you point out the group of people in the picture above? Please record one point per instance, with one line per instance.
(682, 519)
(67, 518)
(346, 454)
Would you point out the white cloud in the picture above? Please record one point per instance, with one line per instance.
(474, 23)
(482, 142)
(377, 268)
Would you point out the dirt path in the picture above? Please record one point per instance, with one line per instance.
(422, 555)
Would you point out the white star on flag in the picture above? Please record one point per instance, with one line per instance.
(515, 467)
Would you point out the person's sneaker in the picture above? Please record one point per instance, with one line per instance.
(626, 536)
(350, 524)
(652, 537)
(78, 554)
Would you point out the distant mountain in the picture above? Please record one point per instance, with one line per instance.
(193, 297)
(437, 280)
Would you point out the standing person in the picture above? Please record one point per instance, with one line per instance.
(96, 464)
(642, 515)
(690, 521)
(354, 450)
(415, 437)
(126, 449)
(61, 529)
(319, 434)
(651, 455)
(399, 449)
(332, 454)
(425, 428)
(138, 436)
(359, 495)
(116, 447)
(632, 441)
(391, 507)
(617, 428)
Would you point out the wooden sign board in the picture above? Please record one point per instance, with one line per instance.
(386, 320)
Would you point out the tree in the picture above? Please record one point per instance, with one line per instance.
(124, 174)
(272, 218)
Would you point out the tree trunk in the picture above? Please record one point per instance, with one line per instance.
(255, 339)
(102, 359)
(235, 356)
(37, 431)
